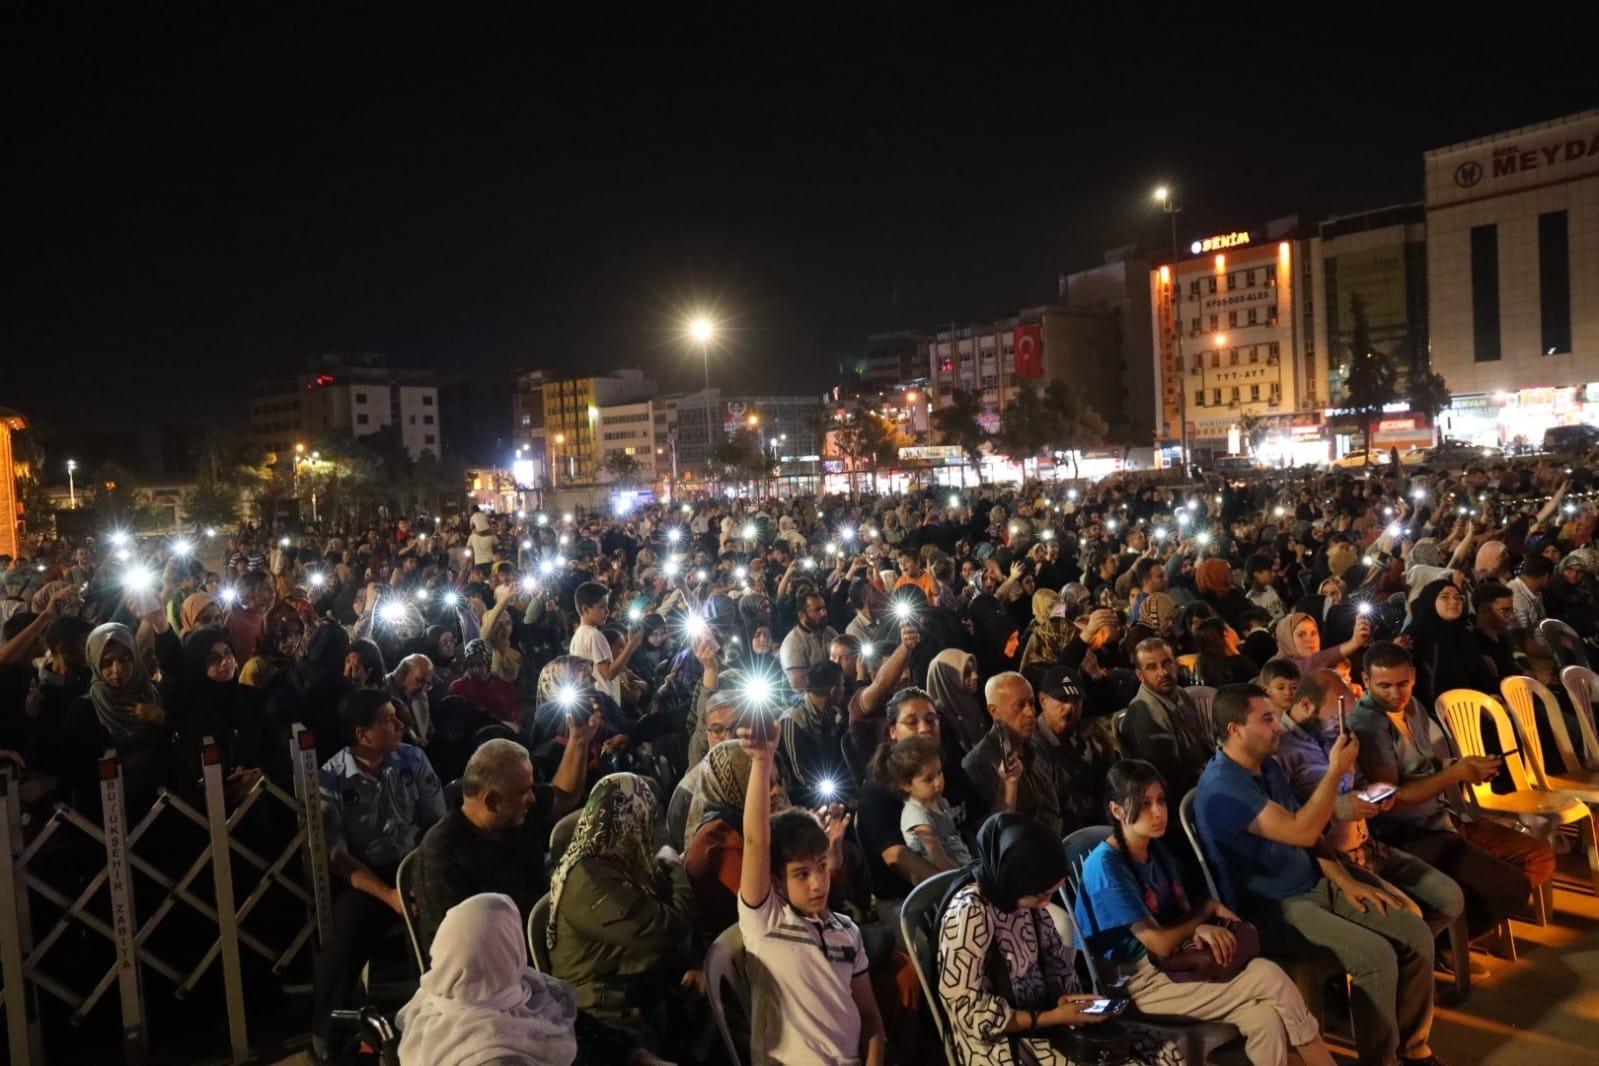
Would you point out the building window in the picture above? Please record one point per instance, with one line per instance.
(1254, 353)
(1199, 362)
(1215, 359)
(1232, 318)
(413, 420)
(1254, 394)
(360, 397)
(1554, 282)
(1276, 395)
(1215, 321)
(1232, 356)
(1252, 314)
(1199, 397)
(362, 419)
(427, 420)
(430, 439)
(1272, 350)
(1232, 282)
(1249, 278)
(1485, 292)
(1193, 287)
(427, 399)
(1271, 273)
(1215, 397)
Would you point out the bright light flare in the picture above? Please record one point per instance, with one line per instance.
(392, 612)
(702, 329)
(827, 788)
(451, 599)
(182, 547)
(750, 531)
(695, 626)
(1203, 538)
(674, 534)
(567, 695)
(138, 579)
(317, 580)
(530, 584)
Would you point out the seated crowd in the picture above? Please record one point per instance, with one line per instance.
(763, 726)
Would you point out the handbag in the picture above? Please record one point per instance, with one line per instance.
(1193, 962)
(1100, 1044)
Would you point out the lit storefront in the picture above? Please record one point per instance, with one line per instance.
(1517, 420)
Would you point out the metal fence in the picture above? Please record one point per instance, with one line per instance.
(83, 905)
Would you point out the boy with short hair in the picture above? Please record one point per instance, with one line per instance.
(593, 603)
(813, 962)
(1280, 679)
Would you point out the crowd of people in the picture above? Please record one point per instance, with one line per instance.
(779, 716)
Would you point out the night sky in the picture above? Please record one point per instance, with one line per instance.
(196, 205)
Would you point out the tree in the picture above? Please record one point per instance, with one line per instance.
(115, 496)
(1428, 391)
(739, 457)
(622, 466)
(1030, 426)
(1369, 381)
(865, 439)
(33, 495)
(211, 504)
(1080, 426)
(956, 423)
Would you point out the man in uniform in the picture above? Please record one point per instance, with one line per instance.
(378, 795)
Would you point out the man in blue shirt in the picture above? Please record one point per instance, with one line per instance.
(1256, 836)
(378, 795)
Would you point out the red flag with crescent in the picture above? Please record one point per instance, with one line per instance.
(1029, 344)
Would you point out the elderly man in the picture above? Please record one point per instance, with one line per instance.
(408, 686)
(1162, 725)
(496, 840)
(1006, 766)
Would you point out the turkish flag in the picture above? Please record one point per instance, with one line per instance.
(1029, 344)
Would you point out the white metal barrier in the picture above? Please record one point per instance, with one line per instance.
(22, 973)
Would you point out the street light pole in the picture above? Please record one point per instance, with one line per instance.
(1168, 203)
(702, 329)
(72, 492)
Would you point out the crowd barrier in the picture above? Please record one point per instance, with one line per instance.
(203, 867)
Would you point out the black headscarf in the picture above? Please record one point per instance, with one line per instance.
(1446, 655)
(1016, 857)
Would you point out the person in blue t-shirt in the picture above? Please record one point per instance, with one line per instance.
(1134, 908)
(1273, 866)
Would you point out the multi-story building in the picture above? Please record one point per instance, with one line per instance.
(355, 394)
(786, 426)
(1119, 285)
(1240, 308)
(1375, 261)
(557, 419)
(888, 362)
(628, 429)
(1076, 345)
(1513, 279)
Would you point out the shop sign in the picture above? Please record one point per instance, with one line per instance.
(1218, 302)
(932, 451)
(1220, 242)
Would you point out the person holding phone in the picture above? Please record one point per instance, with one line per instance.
(1320, 712)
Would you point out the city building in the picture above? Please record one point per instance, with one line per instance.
(786, 426)
(1240, 310)
(556, 422)
(1377, 261)
(1513, 279)
(628, 429)
(357, 394)
(11, 517)
(1049, 343)
(888, 362)
(1119, 285)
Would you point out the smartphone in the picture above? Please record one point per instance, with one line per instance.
(1105, 1006)
(1378, 792)
(1343, 722)
(1004, 747)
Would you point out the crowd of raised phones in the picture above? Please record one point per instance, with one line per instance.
(781, 716)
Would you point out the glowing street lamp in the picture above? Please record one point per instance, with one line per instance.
(1168, 203)
(703, 330)
(72, 492)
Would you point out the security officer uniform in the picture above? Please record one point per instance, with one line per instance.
(377, 819)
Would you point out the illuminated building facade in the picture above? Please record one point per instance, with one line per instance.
(1240, 307)
(355, 394)
(1513, 279)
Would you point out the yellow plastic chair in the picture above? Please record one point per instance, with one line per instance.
(1582, 685)
(1528, 699)
(1544, 812)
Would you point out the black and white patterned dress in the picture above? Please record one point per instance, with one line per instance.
(1040, 973)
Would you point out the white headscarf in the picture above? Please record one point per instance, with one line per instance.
(481, 1002)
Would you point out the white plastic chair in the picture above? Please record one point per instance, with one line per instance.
(1582, 685)
(1543, 812)
(1528, 699)
(918, 925)
(538, 943)
(403, 883)
(723, 961)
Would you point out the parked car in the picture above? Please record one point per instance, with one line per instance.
(1570, 440)
(1356, 460)
(1453, 453)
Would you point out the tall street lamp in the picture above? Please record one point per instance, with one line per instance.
(1168, 203)
(703, 330)
(72, 492)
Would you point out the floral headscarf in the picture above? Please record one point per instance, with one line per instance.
(617, 826)
(724, 782)
(561, 671)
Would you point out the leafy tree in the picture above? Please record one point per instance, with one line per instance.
(114, 495)
(1429, 393)
(1369, 382)
(623, 467)
(956, 423)
(1031, 426)
(33, 495)
(212, 504)
(866, 440)
(739, 457)
(1080, 427)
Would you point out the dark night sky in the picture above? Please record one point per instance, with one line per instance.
(194, 205)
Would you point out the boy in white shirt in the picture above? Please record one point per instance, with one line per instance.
(593, 602)
(812, 976)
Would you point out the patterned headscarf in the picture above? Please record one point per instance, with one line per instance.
(110, 700)
(617, 826)
(724, 783)
(1157, 612)
(563, 670)
(477, 651)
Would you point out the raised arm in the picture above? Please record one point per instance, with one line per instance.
(755, 879)
(1303, 828)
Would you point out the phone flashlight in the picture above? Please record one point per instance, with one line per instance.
(451, 599)
(392, 612)
(422, 595)
(1364, 609)
(529, 583)
(827, 788)
(635, 614)
(317, 580)
(567, 696)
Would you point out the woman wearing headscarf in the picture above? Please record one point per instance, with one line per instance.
(280, 644)
(620, 918)
(714, 856)
(199, 609)
(952, 681)
(205, 692)
(1220, 660)
(123, 711)
(310, 692)
(1007, 979)
(1299, 641)
(480, 1003)
(1443, 646)
(1051, 633)
(482, 687)
(1214, 579)
(440, 645)
(566, 686)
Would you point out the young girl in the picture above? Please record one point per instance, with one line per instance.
(915, 769)
(1132, 907)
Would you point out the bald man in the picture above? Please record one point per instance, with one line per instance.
(1006, 766)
